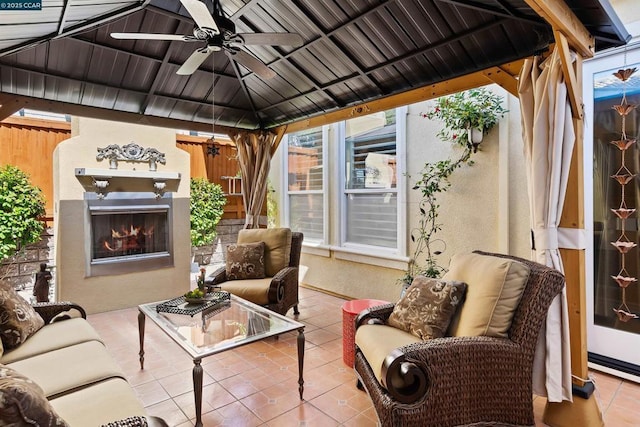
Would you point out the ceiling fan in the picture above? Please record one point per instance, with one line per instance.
(219, 33)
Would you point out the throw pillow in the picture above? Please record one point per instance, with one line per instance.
(23, 402)
(245, 261)
(495, 286)
(427, 307)
(277, 249)
(18, 320)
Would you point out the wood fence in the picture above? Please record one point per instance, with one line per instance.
(28, 143)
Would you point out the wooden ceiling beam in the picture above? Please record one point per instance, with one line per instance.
(15, 102)
(502, 78)
(436, 90)
(569, 70)
(561, 18)
(9, 104)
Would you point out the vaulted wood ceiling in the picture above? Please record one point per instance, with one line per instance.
(65, 60)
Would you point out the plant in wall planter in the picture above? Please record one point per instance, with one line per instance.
(466, 116)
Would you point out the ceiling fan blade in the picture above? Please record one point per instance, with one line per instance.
(146, 36)
(273, 39)
(200, 14)
(193, 62)
(252, 63)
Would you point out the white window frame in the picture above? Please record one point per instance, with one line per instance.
(399, 190)
(325, 182)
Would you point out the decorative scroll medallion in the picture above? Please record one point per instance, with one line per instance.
(131, 152)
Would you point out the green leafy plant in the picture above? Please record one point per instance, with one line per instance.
(207, 206)
(21, 207)
(476, 108)
(272, 205)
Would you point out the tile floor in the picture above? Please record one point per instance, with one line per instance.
(256, 385)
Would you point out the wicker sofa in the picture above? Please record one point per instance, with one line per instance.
(69, 362)
(456, 380)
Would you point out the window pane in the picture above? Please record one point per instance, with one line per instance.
(610, 196)
(306, 215)
(305, 160)
(370, 151)
(372, 218)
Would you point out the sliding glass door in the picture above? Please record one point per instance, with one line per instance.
(612, 205)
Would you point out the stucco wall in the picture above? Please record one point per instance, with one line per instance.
(485, 208)
(112, 292)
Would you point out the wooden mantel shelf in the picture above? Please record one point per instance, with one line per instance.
(117, 173)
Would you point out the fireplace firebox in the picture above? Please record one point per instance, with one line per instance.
(128, 232)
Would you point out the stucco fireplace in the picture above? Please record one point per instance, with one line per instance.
(121, 215)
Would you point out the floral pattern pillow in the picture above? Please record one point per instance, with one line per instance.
(18, 320)
(427, 307)
(23, 403)
(245, 261)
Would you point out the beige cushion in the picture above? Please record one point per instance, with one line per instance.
(18, 320)
(277, 249)
(254, 290)
(99, 404)
(23, 403)
(377, 341)
(67, 368)
(52, 337)
(427, 307)
(494, 288)
(245, 261)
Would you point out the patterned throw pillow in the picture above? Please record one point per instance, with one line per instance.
(245, 261)
(18, 320)
(23, 402)
(427, 307)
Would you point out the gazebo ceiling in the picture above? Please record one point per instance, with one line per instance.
(353, 52)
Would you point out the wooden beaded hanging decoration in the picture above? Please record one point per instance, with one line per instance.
(623, 176)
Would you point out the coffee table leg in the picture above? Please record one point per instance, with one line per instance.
(300, 360)
(141, 319)
(197, 390)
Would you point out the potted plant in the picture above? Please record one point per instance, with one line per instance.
(460, 112)
(21, 207)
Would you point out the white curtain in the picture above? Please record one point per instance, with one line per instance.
(549, 137)
(254, 157)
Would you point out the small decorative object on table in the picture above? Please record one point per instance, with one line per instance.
(200, 280)
(180, 305)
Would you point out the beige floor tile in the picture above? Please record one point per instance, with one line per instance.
(257, 385)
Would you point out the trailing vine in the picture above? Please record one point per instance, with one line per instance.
(476, 108)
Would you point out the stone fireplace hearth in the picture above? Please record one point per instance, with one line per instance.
(121, 215)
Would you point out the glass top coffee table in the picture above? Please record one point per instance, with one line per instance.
(214, 328)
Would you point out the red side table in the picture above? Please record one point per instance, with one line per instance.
(350, 311)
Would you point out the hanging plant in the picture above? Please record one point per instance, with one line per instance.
(462, 111)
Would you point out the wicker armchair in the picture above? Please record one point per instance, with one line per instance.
(283, 290)
(455, 381)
